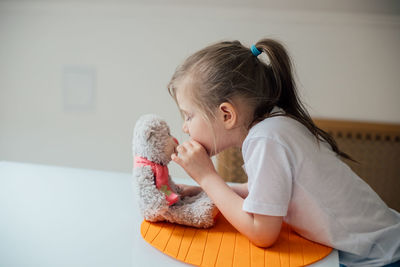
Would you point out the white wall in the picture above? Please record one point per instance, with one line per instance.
(347, 61)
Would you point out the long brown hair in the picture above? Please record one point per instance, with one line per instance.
(225, 70)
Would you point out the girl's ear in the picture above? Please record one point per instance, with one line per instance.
(227, 115)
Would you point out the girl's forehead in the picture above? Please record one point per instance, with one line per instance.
(186, 84)
(184, 97)
(184, 104)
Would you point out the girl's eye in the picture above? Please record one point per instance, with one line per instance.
(188, 118)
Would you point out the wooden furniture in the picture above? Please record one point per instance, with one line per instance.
(376, 147)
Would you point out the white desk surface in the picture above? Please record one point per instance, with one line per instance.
(57, 216)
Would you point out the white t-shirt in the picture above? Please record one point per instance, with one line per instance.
(290, 175)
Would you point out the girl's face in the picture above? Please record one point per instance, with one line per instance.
(195, 124)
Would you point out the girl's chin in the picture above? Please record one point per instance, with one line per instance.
(211, 152)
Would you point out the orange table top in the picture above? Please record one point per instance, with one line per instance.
(223, 245)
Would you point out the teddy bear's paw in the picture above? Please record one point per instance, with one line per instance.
(154, 218)
(193, 215)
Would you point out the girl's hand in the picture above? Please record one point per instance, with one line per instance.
(189, 190)
(193, 158)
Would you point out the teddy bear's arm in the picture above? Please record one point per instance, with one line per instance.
(174, 187)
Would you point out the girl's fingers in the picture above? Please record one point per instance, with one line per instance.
(186, 151)
(184, 148)
(195, 144)
(176, 159)
(180, 148)
(187, 145)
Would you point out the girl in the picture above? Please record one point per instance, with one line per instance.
(231, 98)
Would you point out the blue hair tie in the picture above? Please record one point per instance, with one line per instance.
(255, 51)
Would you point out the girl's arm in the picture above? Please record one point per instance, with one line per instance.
(262, 230)
(240, 189)
(190, 190)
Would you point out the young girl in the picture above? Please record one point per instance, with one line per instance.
(229, 97)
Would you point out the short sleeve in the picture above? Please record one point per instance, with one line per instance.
(269, 171)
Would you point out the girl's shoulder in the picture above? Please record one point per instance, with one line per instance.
(277, 127)
(282, 130)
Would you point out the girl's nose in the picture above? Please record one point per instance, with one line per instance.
(175, 140)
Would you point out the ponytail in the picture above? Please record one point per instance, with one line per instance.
(286, 92)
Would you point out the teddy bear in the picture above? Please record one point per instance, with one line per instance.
(158, 196)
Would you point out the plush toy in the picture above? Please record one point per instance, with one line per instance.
(158, 195)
